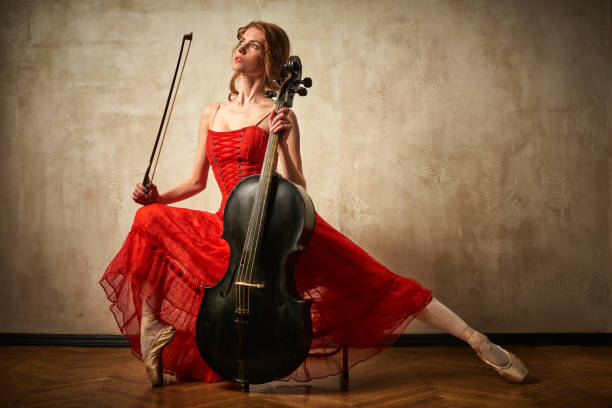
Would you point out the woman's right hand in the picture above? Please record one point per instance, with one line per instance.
(141, 196)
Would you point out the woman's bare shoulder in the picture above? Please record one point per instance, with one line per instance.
(208, 111)
(211, 108)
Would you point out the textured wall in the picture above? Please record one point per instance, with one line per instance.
(465, 144)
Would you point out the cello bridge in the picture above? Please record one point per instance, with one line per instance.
(250, 285)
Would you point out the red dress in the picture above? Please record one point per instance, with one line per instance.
(176, 252)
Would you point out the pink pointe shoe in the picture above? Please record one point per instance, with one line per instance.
(153, 360)
(514, 371)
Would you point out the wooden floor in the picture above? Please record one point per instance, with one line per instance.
(561, 376)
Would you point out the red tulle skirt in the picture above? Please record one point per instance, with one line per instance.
(171, 254)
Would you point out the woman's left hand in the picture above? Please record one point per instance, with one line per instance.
(281, 124)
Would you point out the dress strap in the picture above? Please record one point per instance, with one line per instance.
(262, 119)
(212, 119)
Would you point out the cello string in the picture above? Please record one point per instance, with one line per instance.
(247, 254)
(252, 237)
(265, 179)
(244, 264)
(241, 270)
(250, 249)
(170, 113)
(250, 246)
(265, 188)
(251, 242)
(244, 260)
(258, 212)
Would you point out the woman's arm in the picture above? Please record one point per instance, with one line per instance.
(290, 159)
(196, 181)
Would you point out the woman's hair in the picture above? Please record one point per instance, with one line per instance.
(276, 49)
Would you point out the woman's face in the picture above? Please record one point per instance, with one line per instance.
(248, 58)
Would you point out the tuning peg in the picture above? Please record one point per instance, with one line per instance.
(271, 94)
(307, 82)
(302, 91)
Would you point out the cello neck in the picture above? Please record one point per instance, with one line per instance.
(292, 85)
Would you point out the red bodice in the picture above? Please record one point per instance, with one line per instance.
(234, 155)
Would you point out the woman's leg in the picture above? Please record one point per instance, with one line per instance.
(154, 336)
(150, 325)
(441, 317)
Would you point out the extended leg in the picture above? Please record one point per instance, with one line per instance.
(438, 315)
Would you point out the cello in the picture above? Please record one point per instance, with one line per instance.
(253, 326)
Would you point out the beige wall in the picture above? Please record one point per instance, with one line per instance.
(465, 144)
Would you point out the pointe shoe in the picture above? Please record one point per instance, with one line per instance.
(514, 371)
(153, 360)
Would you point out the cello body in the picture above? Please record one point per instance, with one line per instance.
(272, 338)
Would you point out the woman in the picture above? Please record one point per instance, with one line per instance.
(156, 281)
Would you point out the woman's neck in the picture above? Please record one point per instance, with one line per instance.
(251, 90)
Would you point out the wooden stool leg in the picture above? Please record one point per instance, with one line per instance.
(345, 374)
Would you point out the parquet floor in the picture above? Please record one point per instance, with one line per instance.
(561, 376)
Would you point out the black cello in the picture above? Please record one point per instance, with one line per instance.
(252, 326)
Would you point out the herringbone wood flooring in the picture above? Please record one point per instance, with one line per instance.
(561, 376)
